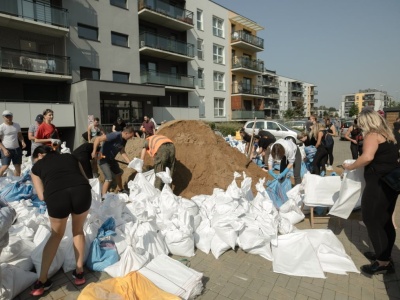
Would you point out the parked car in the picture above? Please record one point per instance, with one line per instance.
(343, 129)
(298, 125)
(279, 130)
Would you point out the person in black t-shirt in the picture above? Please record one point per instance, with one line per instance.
(118, 125)
(263, 146)
(84, 155)
(60, 182)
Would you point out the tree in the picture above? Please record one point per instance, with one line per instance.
(332, 109)
(353, 110)
(298, 108)
(326, 114)
(289, 114)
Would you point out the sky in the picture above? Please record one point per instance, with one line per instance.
(341, 46)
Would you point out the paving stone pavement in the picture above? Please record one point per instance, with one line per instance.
(238, 275)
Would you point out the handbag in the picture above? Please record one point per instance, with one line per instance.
(392, 179)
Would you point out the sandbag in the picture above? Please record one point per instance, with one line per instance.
(290, 211)
(14, 281)
(204, 235)
(133, 286)
(353, 184)
(321, 191)
(18, 253)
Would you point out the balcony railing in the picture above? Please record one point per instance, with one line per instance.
(37, 11)
(272, 95)
(240, 88)
(241, 35)
(272, 106)
(167, 9)
(245, 62)
(166, 44)
(167, 79)
(247, 114)
(34, 62)
(297, 99)
(271, 83)
(297, 89)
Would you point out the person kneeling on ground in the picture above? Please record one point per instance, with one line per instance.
(113, 143)
(60, 182)
(289, 156)
(162, 149)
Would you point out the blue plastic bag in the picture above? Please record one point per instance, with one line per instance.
(103, 252)
(16, 191)
(277, 191)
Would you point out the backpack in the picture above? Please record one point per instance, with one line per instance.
(327, 140)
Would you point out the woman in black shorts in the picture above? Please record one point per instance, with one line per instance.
(60, 181)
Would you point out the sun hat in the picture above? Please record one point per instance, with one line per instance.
(7, 113)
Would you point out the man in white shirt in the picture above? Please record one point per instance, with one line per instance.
(10, 134)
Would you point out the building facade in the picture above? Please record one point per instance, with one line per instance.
(378, 100)
(129, 58)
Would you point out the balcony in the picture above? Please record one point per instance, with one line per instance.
(248, 89)
(164, 14)
(315, 92)
(273, 84)
(247, 114)
(34, 16)
(27, 64)
(272, 107)
(297, 89)
(177, 80)
(245, 65)
(159, 46)
(272, 95)
(246, 41)
(295, 99)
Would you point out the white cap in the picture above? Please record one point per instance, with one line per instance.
(7, 113)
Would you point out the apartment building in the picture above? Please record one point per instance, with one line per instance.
(294, 93)
(270, 83)
(378, 100)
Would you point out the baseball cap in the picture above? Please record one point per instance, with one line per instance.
(39, 118)
(7, 113)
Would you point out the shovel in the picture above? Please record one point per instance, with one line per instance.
(248, 154)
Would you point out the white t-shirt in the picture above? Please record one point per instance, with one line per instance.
(290, 151)
(9, 135)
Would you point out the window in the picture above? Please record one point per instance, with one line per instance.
(119, 39)
(88, 32)
(219, 82)
(200, 76)
(120, 76)
(199, 19)
(89, 73)
(219, 109)
(218, 54)
(200, 54)
(119, 3)
(218, 27)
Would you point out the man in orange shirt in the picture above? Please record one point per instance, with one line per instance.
(162, 149)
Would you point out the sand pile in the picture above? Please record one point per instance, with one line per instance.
(204, 160)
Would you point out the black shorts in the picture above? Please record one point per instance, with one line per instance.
(76, 200)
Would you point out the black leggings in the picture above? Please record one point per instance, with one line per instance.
(296, 167)
(377, 205)
(356, 150)
(320, 159)
(330, 154)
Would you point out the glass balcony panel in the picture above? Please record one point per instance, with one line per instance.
(166, 44)
(167, 9)
(247, 114)
(34, 62)
(167, 79)
(245, 62)
(241, 35)
(37, 11)
(241, 88)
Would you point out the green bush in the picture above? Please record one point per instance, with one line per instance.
(226, 128)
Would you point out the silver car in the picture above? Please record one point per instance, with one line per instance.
(279, 130)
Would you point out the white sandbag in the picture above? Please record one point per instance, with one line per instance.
(133, 258)
(67, 246)
(136, 164)
(233, 190)
(245, 188)
(150, 239)
(203, 235)
(218, 246)
(333, 261)
(179, 238)
(15, 281)
(22, 231)
(169, 203)
(58, 260)
(285, 226)
(90, 228)
(227, 227)
(190, 206)
(290, 211)
(112, 206)
(353, 184)
(321, 191)
(173, 277)
(120, 239)
(141, 185)
(165, 176)
(18, 253)
(295, 256)
(41, 234)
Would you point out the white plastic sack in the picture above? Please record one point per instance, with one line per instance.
(136, 164)
(246, 188)
(290, 211)
(173, 277)
(295, 256)
(353, 184)
(227, 227)
(18, 253)
(204, 235)
(150, 239)
(218, 246)
(179, 236)
(14, 281)
(321, 191)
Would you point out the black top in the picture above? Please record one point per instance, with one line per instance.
(247, 137)
(385, 159)
(120, 126)
(85, 151)
(396, 129)
(266, 134)
(264, 143)
(58, 172)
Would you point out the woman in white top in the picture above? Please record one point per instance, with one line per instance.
(94, 130)
(288, 154)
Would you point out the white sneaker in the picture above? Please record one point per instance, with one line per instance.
(329, 168)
